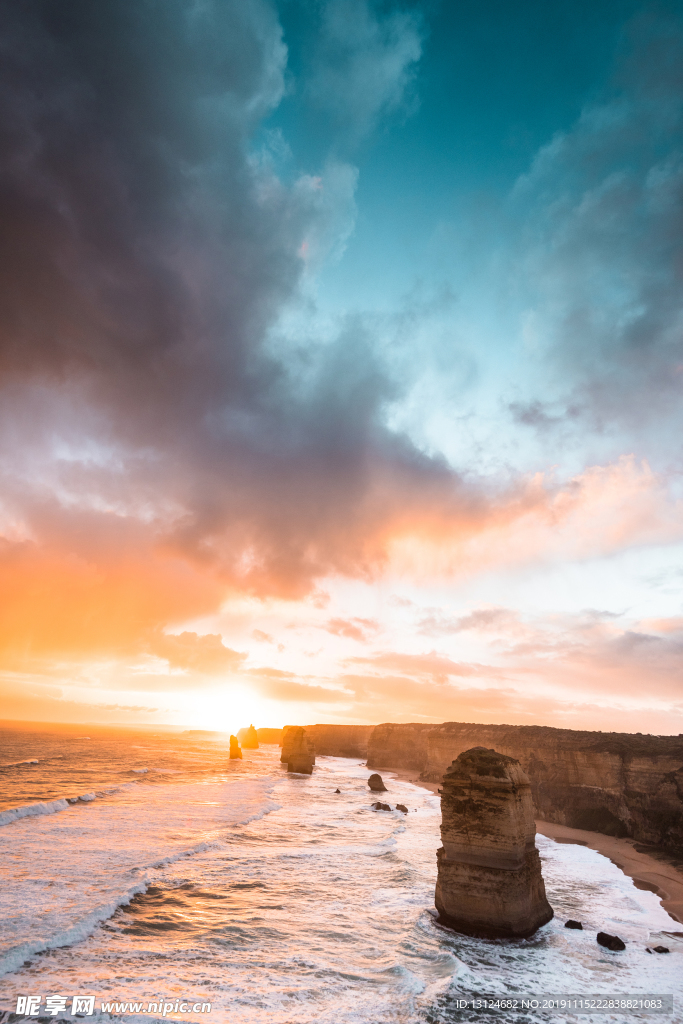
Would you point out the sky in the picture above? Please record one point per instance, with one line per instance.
(341, 358)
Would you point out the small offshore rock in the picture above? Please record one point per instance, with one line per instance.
(376, 785)
(234, 747)
(379, 806)
(573, 924)
(612, 942)
(402, 807)
(337, 790)
(647, 949)
(661, 949)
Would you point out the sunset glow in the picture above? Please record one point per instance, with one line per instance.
(341, 374)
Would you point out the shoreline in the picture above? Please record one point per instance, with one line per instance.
(645, 868)
(649, 868)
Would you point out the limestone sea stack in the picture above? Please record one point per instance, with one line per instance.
(489, 880)
(249, 739)
(297, 750)
(287, 732)
(235, 747)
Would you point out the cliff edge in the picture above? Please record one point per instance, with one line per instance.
(619, 784)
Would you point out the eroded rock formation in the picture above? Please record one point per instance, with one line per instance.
(376, 784)
(617, 783)
(248, 738)
(489, 871)
(235, 747)
(297, 750)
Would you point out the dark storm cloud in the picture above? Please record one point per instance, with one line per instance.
(146, 254)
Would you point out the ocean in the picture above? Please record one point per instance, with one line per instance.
(151, 869)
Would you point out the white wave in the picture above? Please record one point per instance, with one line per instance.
(48, 807)
(14, 958)
(129, 839)
(140, 771)
(32, 811)
(13, 764)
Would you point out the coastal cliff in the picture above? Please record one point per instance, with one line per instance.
(619, 784)
(489, 880)
(269, 735)
(389, 744)
(340, 740)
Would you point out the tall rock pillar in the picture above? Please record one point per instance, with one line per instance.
(489, 872)
(297, 750)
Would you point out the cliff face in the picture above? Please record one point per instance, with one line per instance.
(489, 871)
(615, 783)
(340, 740)
(389, 744)
(269, 735)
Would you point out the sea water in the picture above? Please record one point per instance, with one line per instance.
(153, 869)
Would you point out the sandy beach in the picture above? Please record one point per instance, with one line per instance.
(651, 869)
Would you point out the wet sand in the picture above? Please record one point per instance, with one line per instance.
(650, 868)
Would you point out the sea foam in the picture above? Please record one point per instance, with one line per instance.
(32, 811)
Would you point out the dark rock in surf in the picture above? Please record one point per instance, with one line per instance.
(612, 942)
(337, 790)
(381, 807)
(376, 785)
(402, 807)
(661, 949)
(234, 747)
(573, 924)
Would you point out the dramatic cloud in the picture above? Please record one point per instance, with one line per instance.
(190, 440)
(147, 418)
(603, 211)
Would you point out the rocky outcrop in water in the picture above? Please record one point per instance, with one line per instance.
(235, 747)
(612, 942)
(376, 784)
(248, 738)
(619, 784)
(298, 753)
(489, 872)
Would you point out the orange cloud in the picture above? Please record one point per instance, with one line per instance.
(57, 600)
(205, 654)
(354, 629)
(603, 510)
